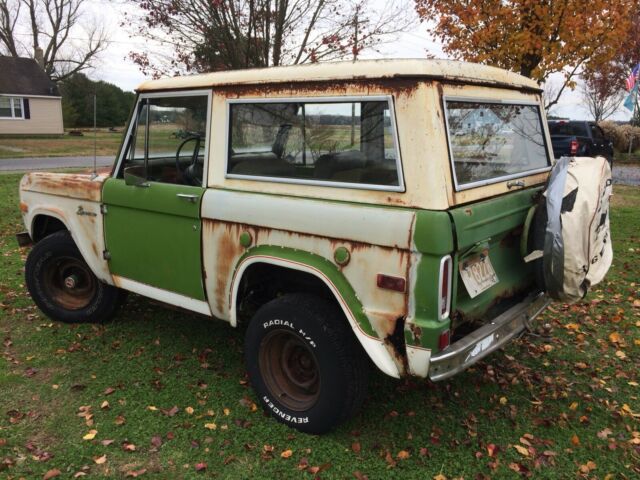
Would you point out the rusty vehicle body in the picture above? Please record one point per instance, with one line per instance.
(387, 255)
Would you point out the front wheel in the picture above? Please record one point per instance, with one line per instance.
(304, 363)
(63, 286)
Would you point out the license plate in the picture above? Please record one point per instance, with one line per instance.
(478, 274)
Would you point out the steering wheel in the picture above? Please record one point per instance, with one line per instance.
(190, 173)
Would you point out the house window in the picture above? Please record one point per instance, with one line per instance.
(11, 107)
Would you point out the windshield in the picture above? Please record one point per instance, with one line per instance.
(491, 142)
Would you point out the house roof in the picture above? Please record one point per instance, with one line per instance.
(23, 76)
(446, 70)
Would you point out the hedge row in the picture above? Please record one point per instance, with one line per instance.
(622, 135)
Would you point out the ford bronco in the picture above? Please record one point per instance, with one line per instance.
(345, 214)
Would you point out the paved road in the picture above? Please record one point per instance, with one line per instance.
(622, 174)
(46, 163)
(626, 174)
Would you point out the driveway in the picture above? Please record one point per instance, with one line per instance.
(626, 174)
(47, 163)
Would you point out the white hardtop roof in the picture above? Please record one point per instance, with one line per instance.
(446, 70)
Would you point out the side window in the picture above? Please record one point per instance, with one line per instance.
(337, 142)
(167, 143)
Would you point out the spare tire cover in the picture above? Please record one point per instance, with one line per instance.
(577, 250)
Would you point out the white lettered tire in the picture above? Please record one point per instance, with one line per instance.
(304, 362)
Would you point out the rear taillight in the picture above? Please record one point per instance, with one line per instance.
(444, 291)
(573, 147)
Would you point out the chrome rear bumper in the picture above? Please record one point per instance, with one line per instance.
(481, 342)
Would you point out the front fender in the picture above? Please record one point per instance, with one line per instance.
(82, 218)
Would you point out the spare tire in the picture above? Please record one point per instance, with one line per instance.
(569, 238)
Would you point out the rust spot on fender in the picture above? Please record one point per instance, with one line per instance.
(72, 185)
(24, 208)
(395, 343)
(416, 331)
(384, 323)
(228, 251)
(60, 213)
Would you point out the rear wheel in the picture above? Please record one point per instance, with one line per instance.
(304, 363)
(64, 287)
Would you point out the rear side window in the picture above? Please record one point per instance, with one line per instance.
(340, 143)
(570, 129)
(492, 142)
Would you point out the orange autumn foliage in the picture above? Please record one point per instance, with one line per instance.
(532, 37)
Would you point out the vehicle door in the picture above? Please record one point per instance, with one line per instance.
(152, 219)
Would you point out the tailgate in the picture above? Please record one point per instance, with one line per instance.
(491, 229)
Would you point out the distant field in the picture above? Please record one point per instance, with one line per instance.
(108, 143)
(621, 157)
(62, 146)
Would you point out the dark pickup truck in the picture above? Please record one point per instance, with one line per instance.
(572, 138)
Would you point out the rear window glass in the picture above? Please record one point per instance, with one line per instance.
(344, 143)
(494, 141)
(572, 129)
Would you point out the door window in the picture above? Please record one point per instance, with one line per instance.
(168, 141)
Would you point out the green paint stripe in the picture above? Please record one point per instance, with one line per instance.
(327, 271)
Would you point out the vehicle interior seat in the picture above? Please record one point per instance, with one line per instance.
(260, 164)
(327, 166)
(353, 167)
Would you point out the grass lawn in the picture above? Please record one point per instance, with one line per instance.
(63, 146)
(162, 394)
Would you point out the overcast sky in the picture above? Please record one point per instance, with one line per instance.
(116, 68)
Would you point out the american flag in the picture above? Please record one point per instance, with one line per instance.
(633, 77)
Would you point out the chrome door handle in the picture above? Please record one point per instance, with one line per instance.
(516, 183)
(188, 197)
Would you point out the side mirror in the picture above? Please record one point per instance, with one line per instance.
(134, 176)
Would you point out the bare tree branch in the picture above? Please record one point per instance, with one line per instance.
(8, 22)
(54, 27)
(222, 34)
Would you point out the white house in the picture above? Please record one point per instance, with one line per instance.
(29, 102)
